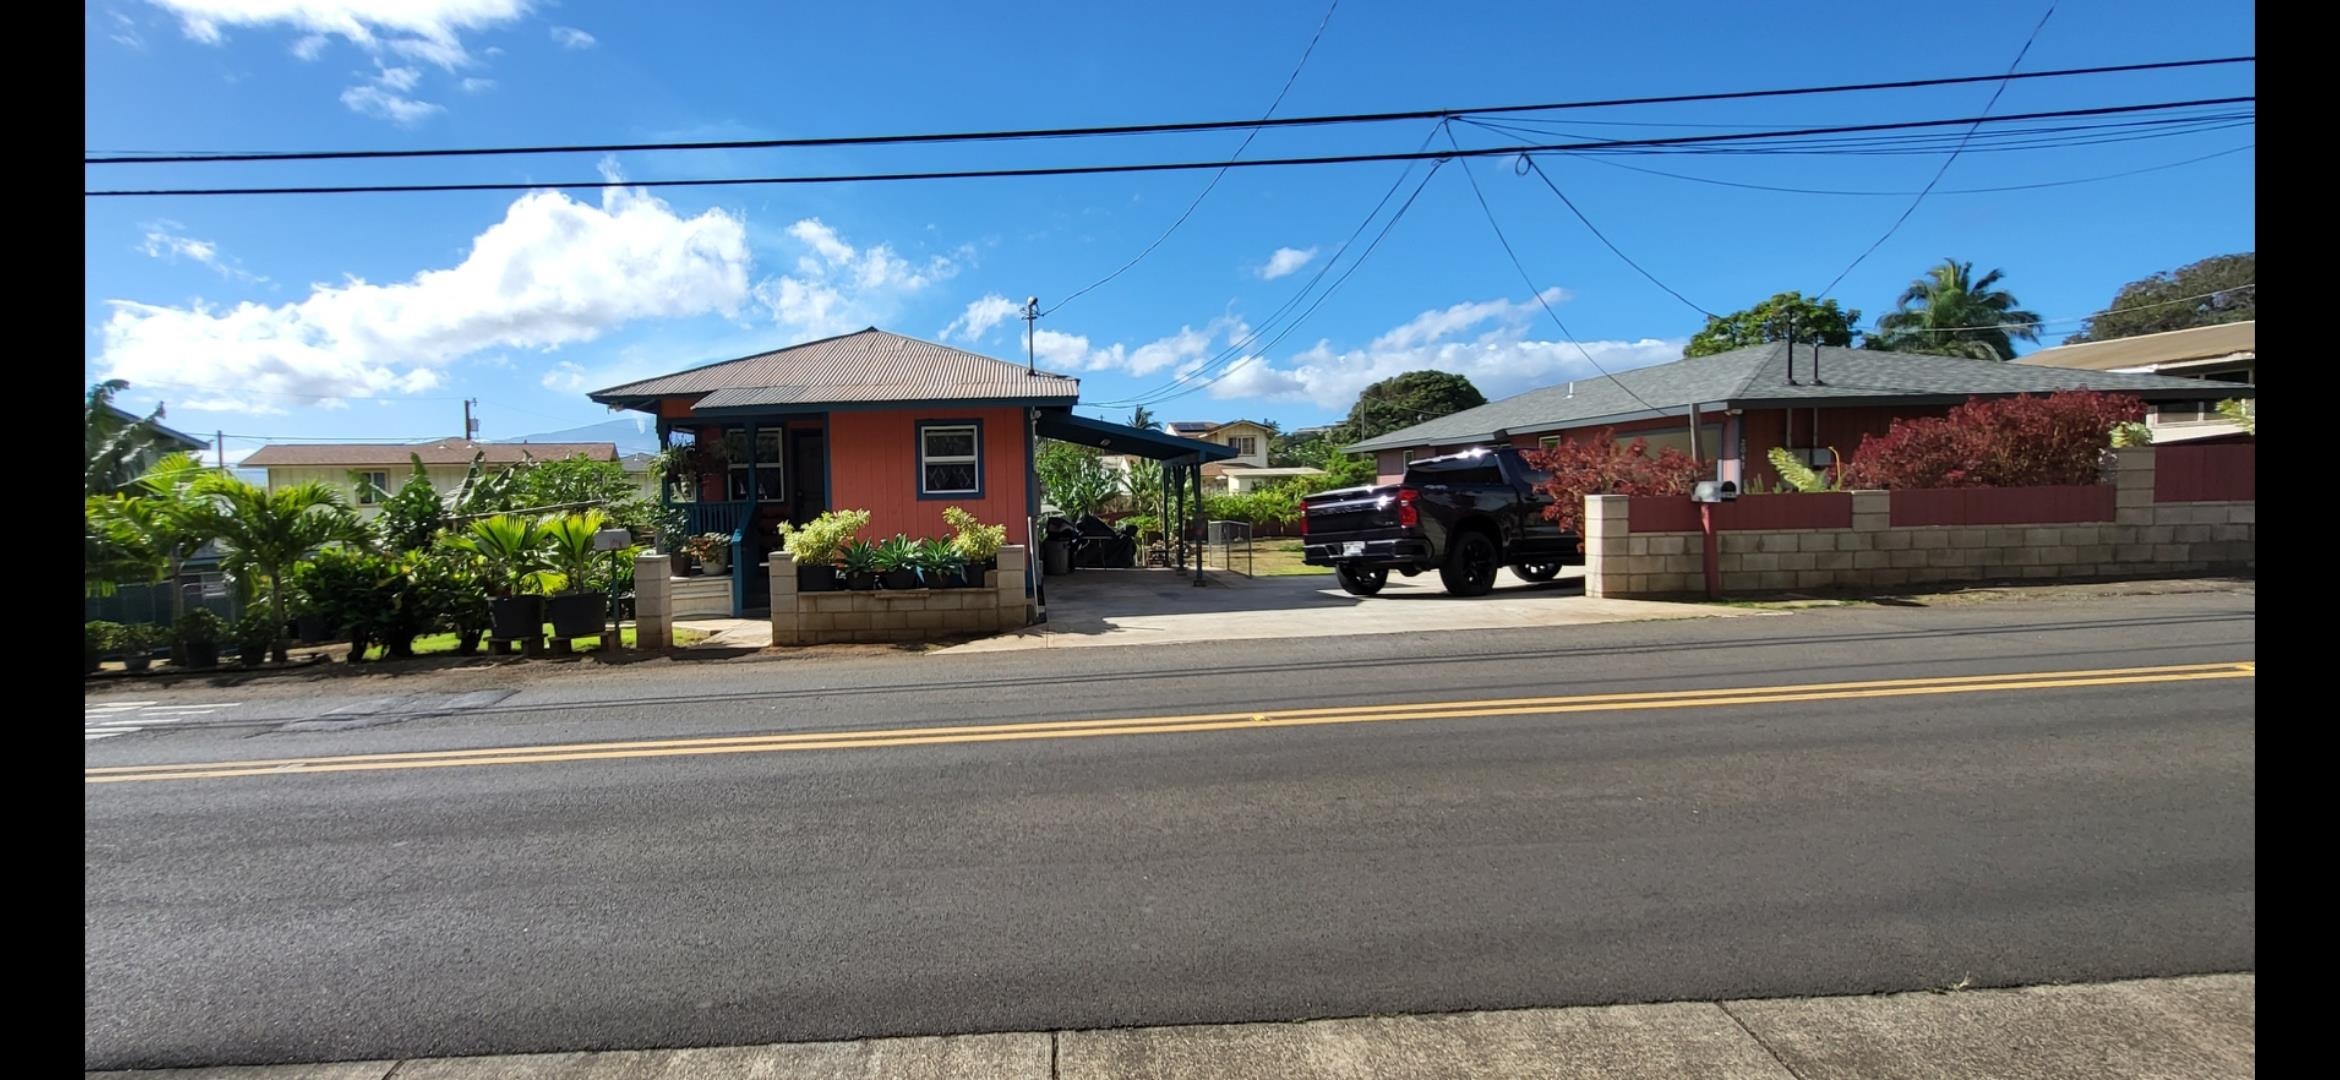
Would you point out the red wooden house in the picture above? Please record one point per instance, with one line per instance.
(873, 421)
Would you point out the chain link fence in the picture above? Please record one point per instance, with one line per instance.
(1227, 546)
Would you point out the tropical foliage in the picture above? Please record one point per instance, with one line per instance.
(976, 541)
(1407, 399)
(2220, 289)
(1597, 465)
(817, 542)
(1075, 479)
(1951, 312)
(113, 450)
(265, 533)
(2022, 441)
(2244, 414)
(1801, 477)
(1823, 322)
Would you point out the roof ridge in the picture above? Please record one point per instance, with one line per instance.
(1787, 348)
(742, 359)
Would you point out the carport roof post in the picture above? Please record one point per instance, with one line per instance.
(1065, 426)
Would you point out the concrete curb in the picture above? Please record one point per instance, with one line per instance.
(2179, 1028)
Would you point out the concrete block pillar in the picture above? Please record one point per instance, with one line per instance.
(1872, 511)
(653, 603)
(2132, 476)
(1015, 608)
(787, 625)
(1607, 524)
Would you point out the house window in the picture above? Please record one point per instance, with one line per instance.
(950, 459)
(771, 480)
(1405, 457)
(372, 487)
(1549, 442)
(1245, 445)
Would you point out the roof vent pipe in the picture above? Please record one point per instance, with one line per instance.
(1816, 380)
(1571, 388)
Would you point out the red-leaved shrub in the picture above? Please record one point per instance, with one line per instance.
(1596, 465)
(2024, 441)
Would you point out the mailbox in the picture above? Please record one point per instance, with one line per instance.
(612, 540)
(1713, 491)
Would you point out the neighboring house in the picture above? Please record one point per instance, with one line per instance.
(1747, 401)
(876, 421)
(637, 468)
(384, 467)
(2226, 353)
(1249, 468)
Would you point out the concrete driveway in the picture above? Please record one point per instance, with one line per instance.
(1126, 607)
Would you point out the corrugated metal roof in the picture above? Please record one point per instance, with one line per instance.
(865, 367)
(183, 440)
(1758, 375)
(443, 452)
(2144, 350)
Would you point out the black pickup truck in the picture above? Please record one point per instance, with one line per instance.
(1462, 515)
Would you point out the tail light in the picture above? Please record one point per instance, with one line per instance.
(1408, 515)
(1304, 519)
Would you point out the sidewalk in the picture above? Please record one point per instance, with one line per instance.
(2196, 1027)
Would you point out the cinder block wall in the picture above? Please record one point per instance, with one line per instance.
(2145, 539)
(891, 615)
(707, 597)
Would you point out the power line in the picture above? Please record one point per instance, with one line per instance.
(1159, 166)
(2042, 323)
(1946, 162)
(1538, 169)
(1940, 191)
(206, 157)
(1215, 177)
(1538, 292)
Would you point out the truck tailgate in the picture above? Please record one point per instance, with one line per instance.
(1364, 510)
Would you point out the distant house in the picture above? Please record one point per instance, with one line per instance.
(1249, 468)
(2227, 353)
(362, 472)
(170, 442)
(637, 468)
(1818, 402)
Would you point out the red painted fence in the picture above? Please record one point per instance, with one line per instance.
(2210, 473)
(2004, 506)
(1676, 513)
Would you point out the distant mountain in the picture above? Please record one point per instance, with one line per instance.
(631, 437)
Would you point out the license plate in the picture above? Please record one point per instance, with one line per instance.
(1353, 549)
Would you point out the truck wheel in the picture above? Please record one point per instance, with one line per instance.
(1537, 571)
(1470, 566)
(1362, 580)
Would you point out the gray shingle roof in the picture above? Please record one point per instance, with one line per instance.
(865, 367)
(1757, 376)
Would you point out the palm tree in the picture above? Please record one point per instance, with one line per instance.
(1142, 419)
(267, 532)
(1951, 312)
(147, 531)
(111, 448)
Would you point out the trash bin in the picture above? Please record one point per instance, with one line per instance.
(1055, 557)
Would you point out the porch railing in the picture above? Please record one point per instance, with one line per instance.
(715, 517)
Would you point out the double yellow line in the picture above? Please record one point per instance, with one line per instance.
(1165, 725)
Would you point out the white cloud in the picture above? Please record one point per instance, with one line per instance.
(125, 30)
(165, 241)
(398, 78)
(565, 375)
(478, 86)
(427, 30)
(981, 315)
(385, 104)
(1438, 323)
(1284, 261)
(839, 288)
(555, 271)
(310, 46)
(1065, 352)
(569, 37)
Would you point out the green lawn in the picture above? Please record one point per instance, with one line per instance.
(1280, 558)
(440, 644)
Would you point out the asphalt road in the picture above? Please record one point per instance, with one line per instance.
(1172, 872)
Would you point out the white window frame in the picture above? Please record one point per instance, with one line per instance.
(974, 433)
(370, 490)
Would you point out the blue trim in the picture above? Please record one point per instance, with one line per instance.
(918, 456)
(1031, 505)
(1122, 438)
(817, 408)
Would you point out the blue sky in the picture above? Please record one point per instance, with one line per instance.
(375, 315)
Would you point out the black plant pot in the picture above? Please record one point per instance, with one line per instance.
(202, 654)
(89, 661)
(900, 579)
(678, 563)
(136, 661)
(976, 570)
(467, 642)
(816, 579)
(946, 579)
(517, 617)
(576, 615)
(861, 582)
(310, 629)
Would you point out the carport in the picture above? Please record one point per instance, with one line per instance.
(1182, 461)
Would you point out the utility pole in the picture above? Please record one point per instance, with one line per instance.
(1031, 322)
(470, 426)
(219, 444)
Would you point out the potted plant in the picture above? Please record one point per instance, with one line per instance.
(98, 637)
(137, 642)
(199, 633)
(816, 544)
(511, 553)
(977, 543)
(575, 610)
(255, 635)
(861, 565)
(940, 565)
(898, 563)
(713, 550)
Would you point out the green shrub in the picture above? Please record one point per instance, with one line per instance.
(98, 637)
(897, 553)
(254, 635)
(1801, 477)
(861, 557)
(200, 626)
(975, 540)
(818, 542)
(138, 638)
